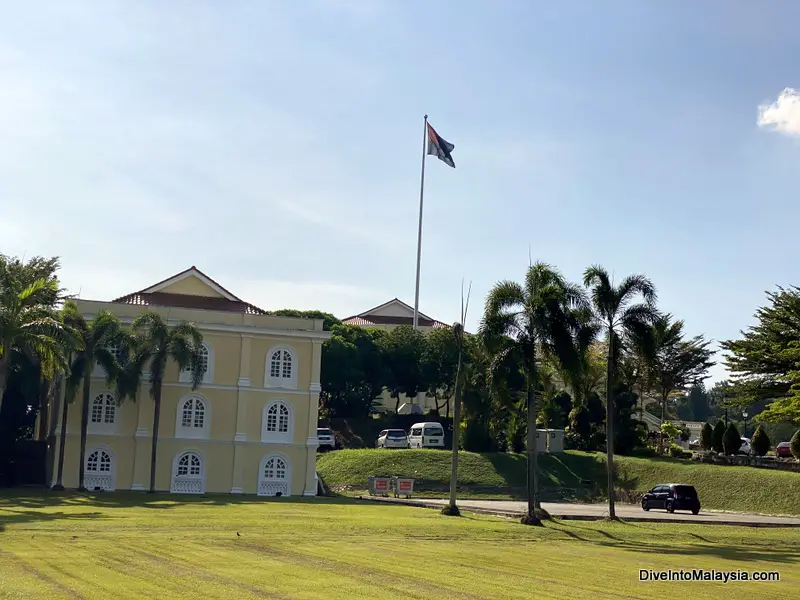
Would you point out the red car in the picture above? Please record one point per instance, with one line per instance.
(783, 450)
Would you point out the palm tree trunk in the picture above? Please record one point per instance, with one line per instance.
(45, 386)
(4, 362)
(533, 479)
(453, 509)
(59, 486)
(87, 382)
(663, 415)
(156, 419)
(610, 424)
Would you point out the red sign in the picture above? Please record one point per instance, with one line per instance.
(405, 486)
(381, 485)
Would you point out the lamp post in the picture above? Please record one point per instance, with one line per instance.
(744, 414)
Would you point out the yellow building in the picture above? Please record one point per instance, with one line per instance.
(250, 428)
(388, 316)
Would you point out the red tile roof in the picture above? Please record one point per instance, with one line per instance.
(188, 301)
(150, 296)
(367, 321)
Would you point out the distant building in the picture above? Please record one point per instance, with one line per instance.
(392, 314)
(388, 316)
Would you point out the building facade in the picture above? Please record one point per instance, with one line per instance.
(250, 428)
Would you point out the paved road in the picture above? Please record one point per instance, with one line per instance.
(631, 512)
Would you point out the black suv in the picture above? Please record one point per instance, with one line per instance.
(672, 497)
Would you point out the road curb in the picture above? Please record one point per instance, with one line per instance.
(572, 517)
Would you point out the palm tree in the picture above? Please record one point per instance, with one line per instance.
(97, 339)
(152, 345)
(525, 324)
(676, 362)
(585, 376)
(618, 313)
(28, 323)
(458, 392)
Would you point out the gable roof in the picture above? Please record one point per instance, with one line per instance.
(367, 318)
(154, 296)
(190, 272)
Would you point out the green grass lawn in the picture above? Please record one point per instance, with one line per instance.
(139, 546)
(572, 475)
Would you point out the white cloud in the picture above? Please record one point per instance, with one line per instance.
(783, 115)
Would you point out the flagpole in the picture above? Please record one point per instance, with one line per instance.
(419, 231)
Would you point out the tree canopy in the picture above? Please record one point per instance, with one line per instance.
(765, 361)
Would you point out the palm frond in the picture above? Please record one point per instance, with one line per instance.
(634, 285)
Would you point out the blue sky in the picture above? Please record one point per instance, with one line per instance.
(276, 145)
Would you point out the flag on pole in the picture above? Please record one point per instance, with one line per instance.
(440, 147)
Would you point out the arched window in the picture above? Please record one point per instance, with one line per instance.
(206, 364)
(277, 422)
(281, 368)
(193, 417)
(274, 477)
(188, 476)
(99, 473)
(104, 409)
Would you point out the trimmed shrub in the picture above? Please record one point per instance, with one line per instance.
(795, 444)
(706, 435)
(675, 451)
(731, 441)
(716, 439)
(759, 443)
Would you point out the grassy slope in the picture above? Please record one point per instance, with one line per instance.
(573, 475)
(130, 546)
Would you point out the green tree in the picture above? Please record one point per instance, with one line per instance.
(765, 362)
(760, 443)
(402, 354)
(718, 437)
(794, 444)
(28, 323)
(96, 341)
(524, 324)
(706, 436)
(678, 363)
(151, 346)
(670, 430)
(620, 315)
(439, 366)
(329, 321)
(731, 441)
(353, 373)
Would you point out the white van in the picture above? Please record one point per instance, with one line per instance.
(426, 435)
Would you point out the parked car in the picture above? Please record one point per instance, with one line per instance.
(426, 435)
(783, 450)
(672, 497)
(392, 438)
(327, 441)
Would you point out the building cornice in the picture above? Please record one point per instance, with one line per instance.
(239, 329)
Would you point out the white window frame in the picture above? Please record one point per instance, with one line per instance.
(270, 487)
(188, 484)
(193, 432)
(103, 428)
(287, 383)
(277, 436)
(105, 481)
(185, 375)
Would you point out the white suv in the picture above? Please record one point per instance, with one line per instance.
(327, 441)
(392, 438)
